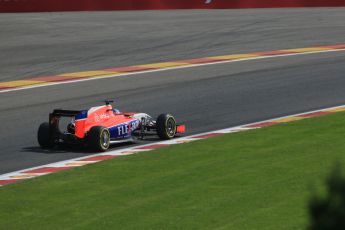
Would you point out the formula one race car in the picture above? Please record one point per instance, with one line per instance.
(98, 127)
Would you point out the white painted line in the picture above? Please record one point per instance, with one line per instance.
(166, 69)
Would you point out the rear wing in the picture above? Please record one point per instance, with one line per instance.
(79, 115)
(64, 113)
(55, 116)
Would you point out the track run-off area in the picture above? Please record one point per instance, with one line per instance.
(205, 97)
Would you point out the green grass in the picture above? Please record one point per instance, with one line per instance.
(260, 179)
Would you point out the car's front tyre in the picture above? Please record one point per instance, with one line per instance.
(166, 126)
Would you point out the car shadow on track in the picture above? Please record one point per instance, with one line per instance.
(55, 150)
(72, 149)
(84, 149)
(64, 148)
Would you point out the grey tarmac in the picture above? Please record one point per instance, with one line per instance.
(205, 98)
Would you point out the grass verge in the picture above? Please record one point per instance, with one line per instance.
(259, 179)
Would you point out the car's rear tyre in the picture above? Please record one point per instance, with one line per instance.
(99, 138)
(44, 136)
(166, 126)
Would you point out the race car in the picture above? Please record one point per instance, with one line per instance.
(101, 126)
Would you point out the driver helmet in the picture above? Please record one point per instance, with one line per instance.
(116, 111)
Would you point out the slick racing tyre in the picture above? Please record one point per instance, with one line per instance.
(99, 138)
(44, 136)
(166, 126)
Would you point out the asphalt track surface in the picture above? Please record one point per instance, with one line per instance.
(43, 44)
(205, 98)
